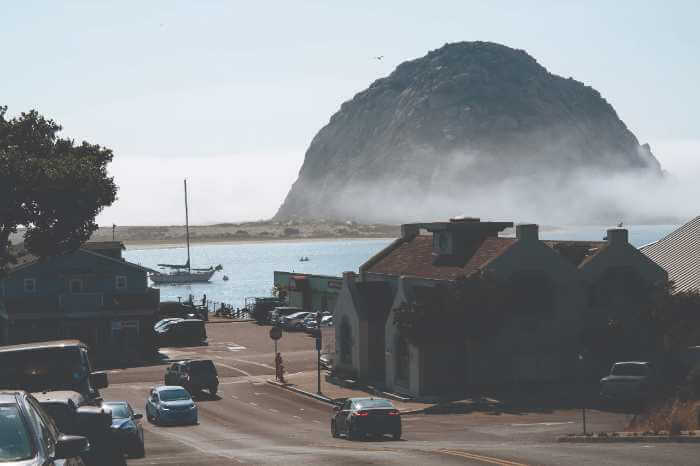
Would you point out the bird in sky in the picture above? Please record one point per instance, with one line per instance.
(379, 57)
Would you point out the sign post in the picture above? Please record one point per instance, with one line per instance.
(318, 353)
(276, 334)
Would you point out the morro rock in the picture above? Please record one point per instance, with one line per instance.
(472, 128)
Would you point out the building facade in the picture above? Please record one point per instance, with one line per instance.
(309, 292)
(539, 341)
(92, 294)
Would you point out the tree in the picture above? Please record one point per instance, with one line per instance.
(49, 185)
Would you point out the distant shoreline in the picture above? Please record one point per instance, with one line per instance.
(137, 245)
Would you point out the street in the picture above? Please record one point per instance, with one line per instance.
(253, 422)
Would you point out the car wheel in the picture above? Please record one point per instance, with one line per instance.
(396, 435)
(334, 431)
(213, 389)
(352, 433)
(139, 451)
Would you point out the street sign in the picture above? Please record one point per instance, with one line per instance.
(275, 333)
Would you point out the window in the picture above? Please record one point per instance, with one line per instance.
(120, 282)
(76, 285)
(29, 285)
(17, 445)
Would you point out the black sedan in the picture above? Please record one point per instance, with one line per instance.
(358, 417)
(126, 428)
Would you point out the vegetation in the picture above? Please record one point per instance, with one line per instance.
(472, 308)
(49, 185)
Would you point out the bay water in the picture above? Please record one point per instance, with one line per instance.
(250, 266)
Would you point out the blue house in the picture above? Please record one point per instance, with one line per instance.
(92, 294)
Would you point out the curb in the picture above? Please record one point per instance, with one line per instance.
(315, 396)
(325, 399)
(626, 438)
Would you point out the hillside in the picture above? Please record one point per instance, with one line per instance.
(471, 128)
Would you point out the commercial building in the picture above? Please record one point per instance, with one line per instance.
(307, 291)
(92, 295)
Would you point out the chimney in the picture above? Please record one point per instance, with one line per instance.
(409, 230)
(527, 232)
(617, 236)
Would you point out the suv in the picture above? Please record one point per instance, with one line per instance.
(186, 331)
(295, 321)
(193, 375)
(51, 365)
(28, 436)
(628, 381)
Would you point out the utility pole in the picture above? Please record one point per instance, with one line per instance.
(318, 353)
(114, 227)
(583, 401)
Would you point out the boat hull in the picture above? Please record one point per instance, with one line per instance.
(183, 277)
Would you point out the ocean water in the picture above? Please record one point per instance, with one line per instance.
(250, 266)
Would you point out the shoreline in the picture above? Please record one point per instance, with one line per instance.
(136, 245)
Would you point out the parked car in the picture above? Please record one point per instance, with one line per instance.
(126, 428)
(310, 325)
(294, 321)
(629, 381)
(166, 322)
(29, 436)
(358, 417)
(183, 332)
(170, 404)
(280, 311)
(193, 375)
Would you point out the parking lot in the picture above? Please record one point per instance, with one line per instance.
(253, 422)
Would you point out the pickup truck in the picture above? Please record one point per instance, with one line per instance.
(629, 381)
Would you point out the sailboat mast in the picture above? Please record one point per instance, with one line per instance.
(187, 229)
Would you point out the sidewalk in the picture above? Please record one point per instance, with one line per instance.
(307, 382)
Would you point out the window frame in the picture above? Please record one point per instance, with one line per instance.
(75, 280)
(33, 287)
(117, 281)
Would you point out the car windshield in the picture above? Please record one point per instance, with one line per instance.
(119, 410)
(14, 438)
(369, 404)
(43, 369)
(202, 367)
(174, 394)
(630, 369)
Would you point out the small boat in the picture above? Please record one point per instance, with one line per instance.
(181, 274)
(303, 259)
(225, 278)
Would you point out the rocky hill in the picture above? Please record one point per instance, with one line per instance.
(472, 128)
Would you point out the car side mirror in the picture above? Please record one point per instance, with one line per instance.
(69, 446)
(138, 416)
(99, 379)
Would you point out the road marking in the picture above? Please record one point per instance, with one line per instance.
(543, 424)
(235, 348)
(274, 410)
(318, 422)
(481, 458)
(298, 417)
(234, 397)
(253, 404)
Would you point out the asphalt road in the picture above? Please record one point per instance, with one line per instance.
(253, 422)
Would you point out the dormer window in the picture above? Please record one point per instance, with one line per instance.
(29, 285)
(442, 242)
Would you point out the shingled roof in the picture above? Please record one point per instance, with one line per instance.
(414, 257)
(679, 254)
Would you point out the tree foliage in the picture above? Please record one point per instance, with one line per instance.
(472, 307)
(49, 185)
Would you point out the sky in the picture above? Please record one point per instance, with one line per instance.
(229, 94)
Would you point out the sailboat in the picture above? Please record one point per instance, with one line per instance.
(184, 273)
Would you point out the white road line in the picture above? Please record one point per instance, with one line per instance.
(234, 397)
(318, 422)
(548, 424)
(298, 417)
(274, 410)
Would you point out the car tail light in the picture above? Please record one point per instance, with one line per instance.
(361, 413)
(394, 412)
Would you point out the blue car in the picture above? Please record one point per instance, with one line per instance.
(126, 428)
(170, 404)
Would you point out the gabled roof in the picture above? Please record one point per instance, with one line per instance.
(26, 259)
(577, 252)
(679, 254)
(414, 257)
